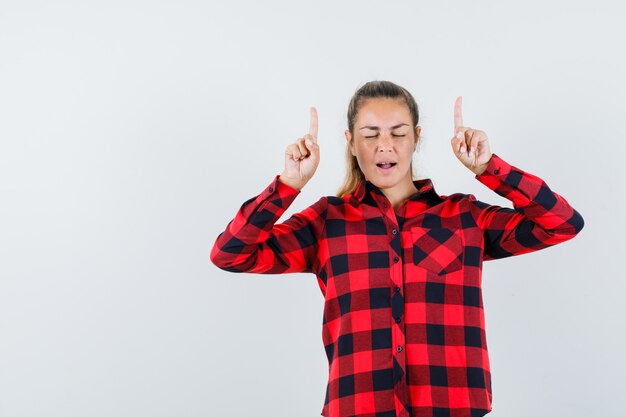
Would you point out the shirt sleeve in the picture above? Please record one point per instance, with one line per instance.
(252, 242)
(540, 217)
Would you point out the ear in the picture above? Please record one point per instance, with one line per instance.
(418, 131)
(348, 136)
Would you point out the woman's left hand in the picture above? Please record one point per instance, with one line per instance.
(470, 146)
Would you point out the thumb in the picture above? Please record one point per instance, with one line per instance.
(311, 143)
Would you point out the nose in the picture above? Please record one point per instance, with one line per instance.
(385, 144)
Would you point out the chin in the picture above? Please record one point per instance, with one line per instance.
(383, 182)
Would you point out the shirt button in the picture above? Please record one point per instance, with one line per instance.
(397, 289)
(399, 349)
(398, 321)
(396, 259)
(394, 231)
(271, 189)
(497, 171)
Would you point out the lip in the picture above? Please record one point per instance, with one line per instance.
(386, 170)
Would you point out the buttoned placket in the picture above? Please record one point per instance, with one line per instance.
(396, 273)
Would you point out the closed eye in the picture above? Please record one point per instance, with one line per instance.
(397, 136)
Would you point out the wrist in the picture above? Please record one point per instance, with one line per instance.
(295, 184)
(479, 170)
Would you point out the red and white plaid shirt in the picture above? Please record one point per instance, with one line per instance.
(403, 325)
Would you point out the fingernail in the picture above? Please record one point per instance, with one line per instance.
(308, 142)
(471, 152)
(459, 135)
(463, 149)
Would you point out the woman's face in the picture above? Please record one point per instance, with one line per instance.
(383, 133)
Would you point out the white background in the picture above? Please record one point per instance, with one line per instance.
(132, 131)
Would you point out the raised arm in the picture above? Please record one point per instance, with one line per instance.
(540, 217)
(252, 242)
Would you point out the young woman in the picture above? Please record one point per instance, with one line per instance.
(399, 265)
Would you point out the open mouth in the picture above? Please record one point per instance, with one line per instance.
(386, 165)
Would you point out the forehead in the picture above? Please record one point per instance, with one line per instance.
(383, 112)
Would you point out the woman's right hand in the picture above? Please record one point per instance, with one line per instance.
(302, 157)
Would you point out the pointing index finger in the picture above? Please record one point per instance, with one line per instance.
(313, 125)
(458, 115)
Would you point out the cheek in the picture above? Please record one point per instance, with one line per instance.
(363, 151)
(369, 147)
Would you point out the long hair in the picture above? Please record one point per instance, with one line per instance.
(371, 89)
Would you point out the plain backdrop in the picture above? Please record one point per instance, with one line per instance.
(132, 131)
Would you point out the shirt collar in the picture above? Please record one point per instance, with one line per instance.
(424, 187)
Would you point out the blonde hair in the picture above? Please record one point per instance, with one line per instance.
(371, 89)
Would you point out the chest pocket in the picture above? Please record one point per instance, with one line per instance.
(439, 250)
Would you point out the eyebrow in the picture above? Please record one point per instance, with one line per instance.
(377, 128)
